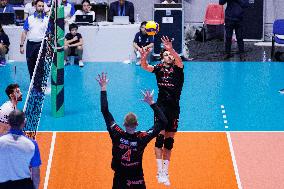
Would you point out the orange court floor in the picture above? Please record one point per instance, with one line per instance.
(200, 160)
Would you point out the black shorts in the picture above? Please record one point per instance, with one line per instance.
(172, 115)
(18, 184)
(122, 182)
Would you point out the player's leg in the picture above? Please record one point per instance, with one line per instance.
(159, 153)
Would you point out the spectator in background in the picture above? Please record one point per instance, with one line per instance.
(20, 157)
(14, 94)
(4, 46)
(30, 9)
(86, 10)
(142, 40)
(168, 2)
(121, 8)
(234, 21)
(5, 7)
(73, 44)
(69, 10)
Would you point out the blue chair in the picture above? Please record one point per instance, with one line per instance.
(278, 29)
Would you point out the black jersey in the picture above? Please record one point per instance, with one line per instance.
(170, 81)
(128, 149)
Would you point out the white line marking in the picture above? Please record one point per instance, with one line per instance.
(47, 173)
(224, 117)
(234, 160)
(226, 126)
(223, 111)
(222, 107)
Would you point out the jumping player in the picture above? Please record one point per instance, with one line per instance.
(128, 146)
(170, 78)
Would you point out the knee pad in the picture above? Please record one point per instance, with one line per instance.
(169, 143)
(159, 141)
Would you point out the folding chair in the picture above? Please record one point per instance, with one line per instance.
(278, 35)
(214, 16)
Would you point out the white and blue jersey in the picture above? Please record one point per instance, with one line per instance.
(18, 155)
(36, 26)
(69, 10)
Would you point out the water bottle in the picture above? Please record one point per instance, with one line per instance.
(137, 18)
(264, 57)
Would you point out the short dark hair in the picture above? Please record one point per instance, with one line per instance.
(38, 1)
(143, 23)
(10, 89)
(16, 118)
(162, 53)
(85, 1)
(72, 26)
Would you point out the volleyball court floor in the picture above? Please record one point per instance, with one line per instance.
(230, 131)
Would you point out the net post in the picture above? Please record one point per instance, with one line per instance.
(57, 70)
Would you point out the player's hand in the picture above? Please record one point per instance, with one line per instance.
(148, 96)
(75, 38)
(167, 42)
(102, 80)
(22, 50)
(144, 52)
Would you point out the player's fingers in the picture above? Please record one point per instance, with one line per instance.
(143, 92)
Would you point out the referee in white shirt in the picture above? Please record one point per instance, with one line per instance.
(35, 27)
(20, 157)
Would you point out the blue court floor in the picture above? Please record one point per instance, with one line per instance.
(247, 92)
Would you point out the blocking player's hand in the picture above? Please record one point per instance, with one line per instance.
(148, 96)
(102, 80)
(144, 52)
(167, 43)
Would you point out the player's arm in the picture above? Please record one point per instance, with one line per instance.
(144, 62)
(169, 47)
(80, 43)
(161, 118)
(102, 80)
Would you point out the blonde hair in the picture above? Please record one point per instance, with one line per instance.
(130, 120)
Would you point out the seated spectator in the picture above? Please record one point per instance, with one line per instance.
(69, 10)
(168, 2)
(5, 7)
(4, 46)
(86, 10)
(73, 44)
(121, 8)
(142, 40)
(30, 9)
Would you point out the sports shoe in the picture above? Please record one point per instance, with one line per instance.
(2, 61)
(138, 63)
(81, 64)
(161, 177)
(166, 180)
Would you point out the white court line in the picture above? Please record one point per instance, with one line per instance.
(234, 160)
(47, 173)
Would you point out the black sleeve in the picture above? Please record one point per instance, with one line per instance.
(79, 36)
(158, 125)
(131, 12)
(222, 2)
(67, 36)
(111, 12)
(104, 109)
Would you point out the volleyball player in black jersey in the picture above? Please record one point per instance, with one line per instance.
(170, 78)
(128, 146)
